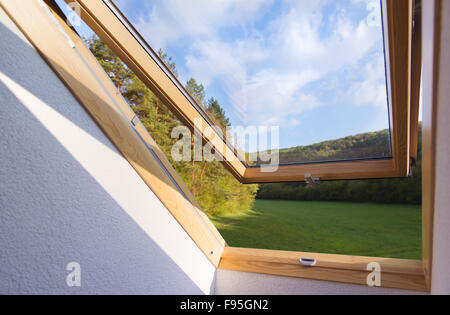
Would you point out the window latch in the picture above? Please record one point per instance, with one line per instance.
(312, 181)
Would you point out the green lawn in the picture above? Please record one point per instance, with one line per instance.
(359, 229)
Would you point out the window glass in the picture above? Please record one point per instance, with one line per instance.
(288, 75)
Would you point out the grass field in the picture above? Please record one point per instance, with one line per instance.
(359, 229)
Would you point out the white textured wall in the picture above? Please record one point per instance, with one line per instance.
(66, 194)
(441, 249)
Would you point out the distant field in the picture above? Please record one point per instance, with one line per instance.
(359, 229)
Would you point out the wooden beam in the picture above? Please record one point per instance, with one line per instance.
(416, 77)
(325, 171)
(399, 29)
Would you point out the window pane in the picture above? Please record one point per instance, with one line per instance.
(313, 69)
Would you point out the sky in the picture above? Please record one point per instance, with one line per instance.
(315, 68)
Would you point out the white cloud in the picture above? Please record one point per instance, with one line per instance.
(170, 20)
(276, 99)
(215, 59)
(372, 90)
(299, 38)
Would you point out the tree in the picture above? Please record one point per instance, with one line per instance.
(168, 62)
(197, 91)
(217, 113)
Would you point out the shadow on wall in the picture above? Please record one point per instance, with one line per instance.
(56, 209)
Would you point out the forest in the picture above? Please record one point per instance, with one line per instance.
(217, 191)
(366, 145)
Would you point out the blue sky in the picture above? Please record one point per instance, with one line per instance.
(315, 68)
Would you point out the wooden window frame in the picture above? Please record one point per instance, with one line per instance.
(106, 20)
(95, 91)
(396, 273)
(416, 77)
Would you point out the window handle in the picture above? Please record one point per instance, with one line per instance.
(308, 262)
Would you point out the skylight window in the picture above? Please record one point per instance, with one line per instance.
(306, 71)
(266, 87)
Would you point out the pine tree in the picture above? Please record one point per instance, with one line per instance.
(197, 91)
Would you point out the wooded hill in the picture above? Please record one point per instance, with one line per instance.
(367, 145)
(361, 146)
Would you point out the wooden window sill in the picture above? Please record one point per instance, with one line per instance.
(395, 273)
